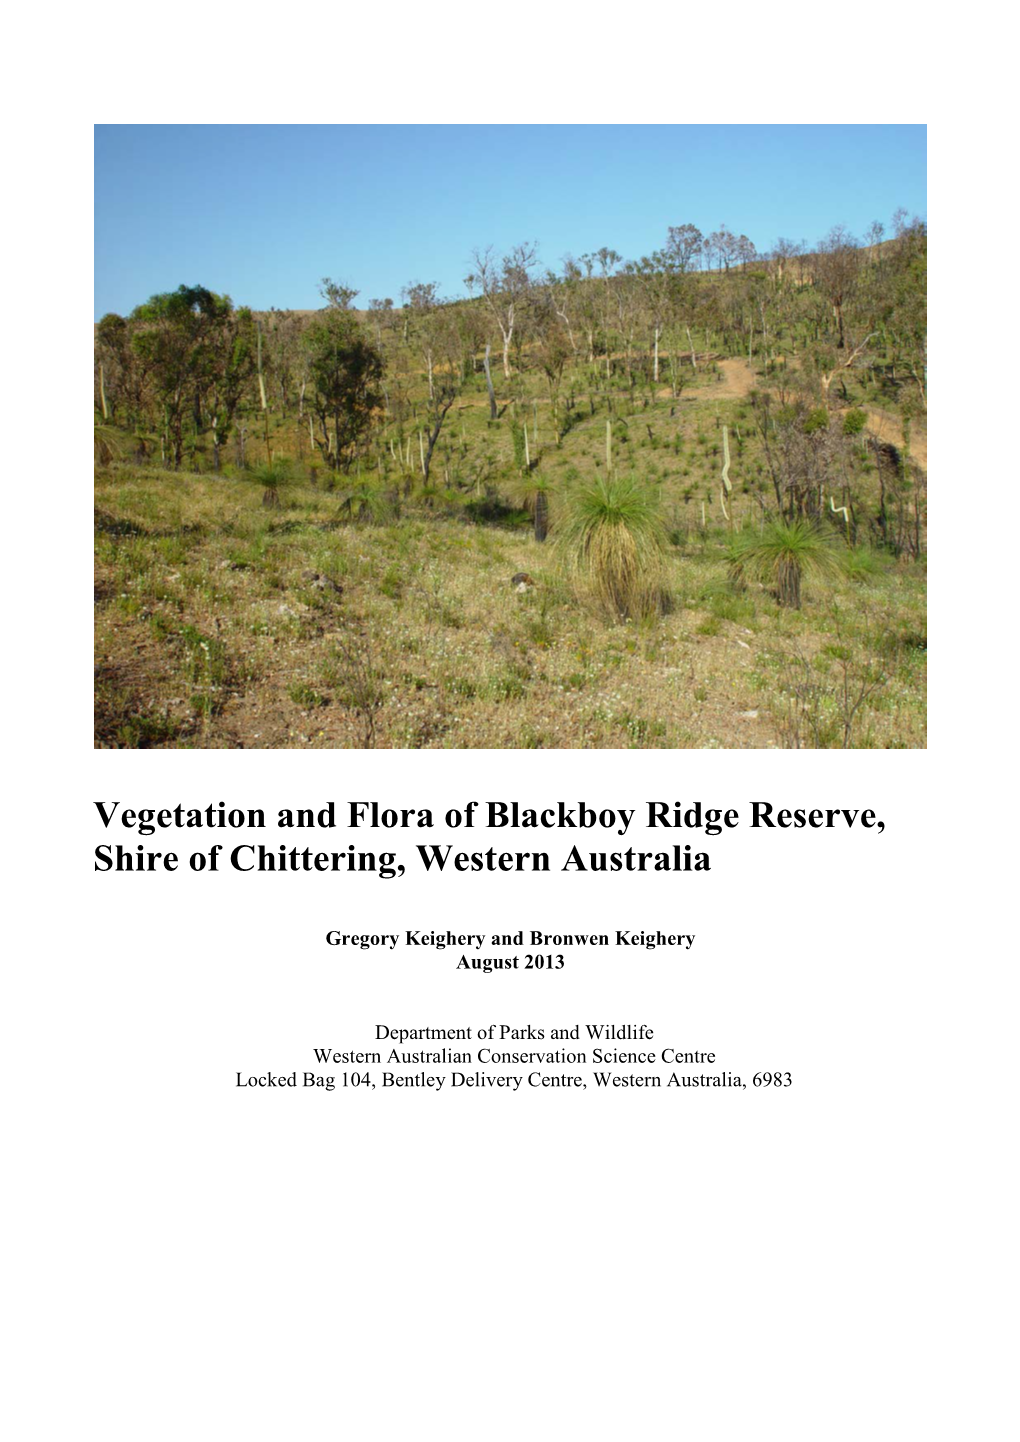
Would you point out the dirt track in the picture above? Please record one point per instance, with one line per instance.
(739, 380)
(890, 428)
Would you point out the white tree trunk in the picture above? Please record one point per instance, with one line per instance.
(258, 354)
(488, 386)
(921, 384)
(563, 317)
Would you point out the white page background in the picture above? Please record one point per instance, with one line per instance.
(191, 1260)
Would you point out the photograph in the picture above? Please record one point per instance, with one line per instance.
(510, 436)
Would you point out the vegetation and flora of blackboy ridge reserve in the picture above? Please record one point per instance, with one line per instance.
(674, 501)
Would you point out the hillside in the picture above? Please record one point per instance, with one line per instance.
(358, 586)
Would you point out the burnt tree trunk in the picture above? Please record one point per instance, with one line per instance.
(541, 516)
(437, 426)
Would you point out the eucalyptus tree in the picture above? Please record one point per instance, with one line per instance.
(283, 355)
(760, 298)
(381, 311)
(176, 336)
(784, 252)
(658, 290)
(805, 452)
(837, 269)
(905, 313)
(442, 398)
(345, 369)
(629, 294)
(421, 301)
(447, 381)
(607, 260)
(465, 326)
(722, 244)
(505, 283)
(232, 371)
(561, 292)
(873, 238)
(116, 373)
(336, 294)
(588, 304)
(684, 247)
(554, 348)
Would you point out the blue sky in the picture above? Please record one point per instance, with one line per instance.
(263, 212)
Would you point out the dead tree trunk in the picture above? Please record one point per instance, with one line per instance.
(493, 412)
(437, 425)
(541, 516)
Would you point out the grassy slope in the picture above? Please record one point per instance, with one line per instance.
(207, 634)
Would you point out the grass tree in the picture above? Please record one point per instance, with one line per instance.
(532, 490)
(108, 444)
(271, 475)
(783, 555)
(612, 537)
(366, 503)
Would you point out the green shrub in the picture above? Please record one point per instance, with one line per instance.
(306, 696)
